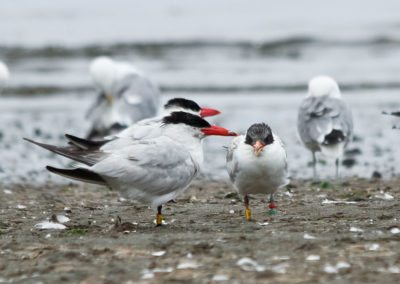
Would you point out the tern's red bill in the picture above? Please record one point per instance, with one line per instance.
(218, 130)
(258, 147)
(204, 112)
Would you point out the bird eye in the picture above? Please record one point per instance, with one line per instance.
(268, 140)
(249, 140)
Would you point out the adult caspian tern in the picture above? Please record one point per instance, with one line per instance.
(152, 171)
(256, 163)
(144, 129)
(126, 96)
(325, 122)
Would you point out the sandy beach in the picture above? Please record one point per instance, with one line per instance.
(323, 233)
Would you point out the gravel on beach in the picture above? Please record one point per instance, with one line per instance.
(325, 232)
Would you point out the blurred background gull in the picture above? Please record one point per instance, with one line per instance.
(250, 59)
(125, 97)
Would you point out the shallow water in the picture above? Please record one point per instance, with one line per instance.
(48, 118)
(251, 61)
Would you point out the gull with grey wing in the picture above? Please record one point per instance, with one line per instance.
(325, 122)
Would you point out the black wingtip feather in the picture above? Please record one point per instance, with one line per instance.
(85, 143)
(336, 136)
(73, 153)
(78, 174)
(31, 141)
(43, 145)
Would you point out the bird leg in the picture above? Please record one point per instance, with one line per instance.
(337, 168)
(247, 211)
(159, 216)
(314, 163)
(272, 205)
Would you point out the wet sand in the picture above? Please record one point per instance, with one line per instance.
(310, 240)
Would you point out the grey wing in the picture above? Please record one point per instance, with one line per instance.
(87, 157)
(144, 129)
(149, 169)
(139, 98)
(232, 164)
(283, 145)
(344, 121)
(318, 116)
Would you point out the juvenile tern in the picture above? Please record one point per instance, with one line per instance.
(256, 164)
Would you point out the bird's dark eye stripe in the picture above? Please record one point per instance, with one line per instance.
(269, 139)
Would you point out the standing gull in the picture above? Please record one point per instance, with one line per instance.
(126, 96)
(325, 122)
(151, 171)
(257, 164)
(4, 76)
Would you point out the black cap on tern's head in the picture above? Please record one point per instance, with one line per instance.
(182, 103)
(258, 136)
(177, 117)
(180, 117)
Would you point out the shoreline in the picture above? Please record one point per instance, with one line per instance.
(322, 233)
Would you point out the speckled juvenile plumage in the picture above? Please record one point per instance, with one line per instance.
(257, 172)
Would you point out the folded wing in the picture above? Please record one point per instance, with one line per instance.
(231, 161)
(324, 120)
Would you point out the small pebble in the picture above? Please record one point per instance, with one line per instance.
(356, 230)
(67, 210)
(220, 277)
(372, 247)
(308, 237)
(313, 257)
(395, 230)
(158, 253)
